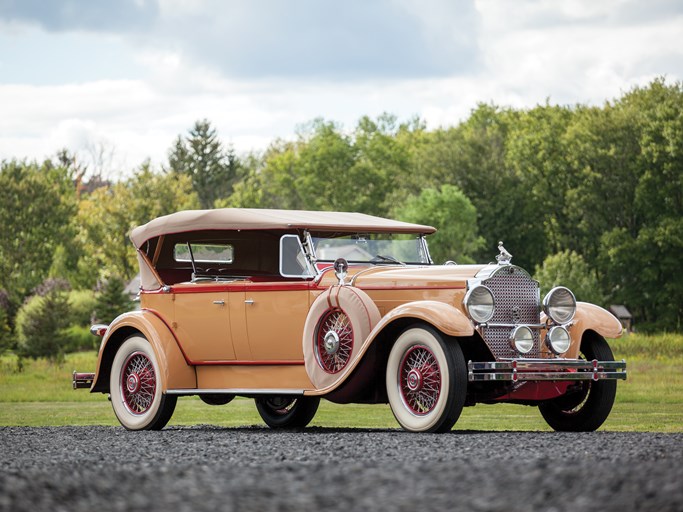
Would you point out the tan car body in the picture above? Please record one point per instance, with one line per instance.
(267, 316)
(213, 351)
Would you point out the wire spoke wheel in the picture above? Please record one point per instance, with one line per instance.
(420, 380)
(334, 341)
(136, 389)
(138, 383)
(287, 411)
(426, 379)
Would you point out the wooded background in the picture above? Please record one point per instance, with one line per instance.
(587, 196)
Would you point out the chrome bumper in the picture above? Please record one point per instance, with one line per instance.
(83, 380)
(545, 369)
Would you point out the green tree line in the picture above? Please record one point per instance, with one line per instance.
(590, 196)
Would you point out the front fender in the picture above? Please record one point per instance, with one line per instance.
(446, 318)
(175, 372)
(589, 316)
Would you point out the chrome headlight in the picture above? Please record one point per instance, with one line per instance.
(479, 304)
(558, 339)
(560, 305)
(522, 339)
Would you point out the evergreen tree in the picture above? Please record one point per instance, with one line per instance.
(212, 168)
(42, 322)
(112, 301)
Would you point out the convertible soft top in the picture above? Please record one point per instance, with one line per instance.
(253, 218)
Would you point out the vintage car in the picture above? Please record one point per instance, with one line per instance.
(288, 307)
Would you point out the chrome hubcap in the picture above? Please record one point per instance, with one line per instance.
(331, 342)
(414, 380)
(133, 383)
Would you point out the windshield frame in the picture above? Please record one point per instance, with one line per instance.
(312, 242)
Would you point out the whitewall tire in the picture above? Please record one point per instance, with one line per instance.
(135, 387)
(426, 380)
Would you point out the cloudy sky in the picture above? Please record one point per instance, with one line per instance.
(130, 75)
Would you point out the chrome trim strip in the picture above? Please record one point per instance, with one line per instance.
(533, 369)
(555, 376)
(512, 326)
(235, 391)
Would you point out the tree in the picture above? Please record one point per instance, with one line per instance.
(38, 205)
(42, 323)
(112, 300)
(5, 331)
(569, 269)
(212, 169)
(457, 236)
(106, 217)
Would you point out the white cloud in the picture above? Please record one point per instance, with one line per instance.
(258, 69)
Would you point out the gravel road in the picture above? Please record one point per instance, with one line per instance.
(205, 468)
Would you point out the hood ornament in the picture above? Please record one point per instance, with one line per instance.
(504, 257)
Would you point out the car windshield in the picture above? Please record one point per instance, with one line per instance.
(384, 248)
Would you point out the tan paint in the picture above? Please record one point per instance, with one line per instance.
(202, 325)
(275, 321)
(253, 377)
(592, 317)
(176, 373)
(241, 334)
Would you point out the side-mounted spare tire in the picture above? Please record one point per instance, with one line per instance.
(338, 323)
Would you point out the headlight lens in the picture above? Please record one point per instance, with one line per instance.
(522, 339)
(479, 304)
(558, 339)
(560, 305)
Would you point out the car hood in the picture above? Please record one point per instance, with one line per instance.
(442, 276)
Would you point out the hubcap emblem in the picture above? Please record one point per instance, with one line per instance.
(133, 383)
(331, 342)
(414, 380)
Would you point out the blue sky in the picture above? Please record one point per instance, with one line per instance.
(122, 79)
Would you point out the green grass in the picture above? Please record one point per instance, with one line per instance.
(650, 400)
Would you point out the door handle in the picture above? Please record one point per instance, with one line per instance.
(219, 302)
(249, 301)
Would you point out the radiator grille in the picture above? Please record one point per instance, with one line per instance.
(517, 302)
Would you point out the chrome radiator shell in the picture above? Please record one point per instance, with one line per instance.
(518, 302)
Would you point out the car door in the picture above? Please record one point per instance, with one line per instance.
(202, 322)
(276, 310)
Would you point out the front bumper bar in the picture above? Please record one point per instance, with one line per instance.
(528, 369)
(82, 380)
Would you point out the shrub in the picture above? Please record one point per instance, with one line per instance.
(41, 326)
(82, 304)
(112, 301)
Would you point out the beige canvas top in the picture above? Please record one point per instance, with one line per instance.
(251, 218)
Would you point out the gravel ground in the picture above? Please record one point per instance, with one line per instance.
(207, 468)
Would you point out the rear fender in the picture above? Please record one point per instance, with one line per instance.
(175, 372)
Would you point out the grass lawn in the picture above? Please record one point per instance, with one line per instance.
(650, 400)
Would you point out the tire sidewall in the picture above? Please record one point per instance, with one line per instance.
(129, 420)
(598, 402)
(410, 421)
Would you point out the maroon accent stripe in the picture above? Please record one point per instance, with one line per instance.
(265, 362)
(251, 287)
(158, 315)
(416, 288)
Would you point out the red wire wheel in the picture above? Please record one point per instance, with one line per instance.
(138, 383)
(334, 341)
(420, 380)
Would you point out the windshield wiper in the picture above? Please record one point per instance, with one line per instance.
(380, 258)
